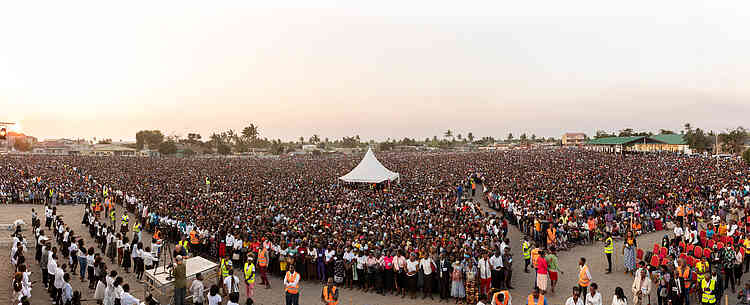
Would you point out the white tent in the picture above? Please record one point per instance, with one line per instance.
(369, 170)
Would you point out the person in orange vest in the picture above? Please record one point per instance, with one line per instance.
(291, 284)
(551, 236)
(584, 277)
(680, 213)
(683, 272)
(194, 241)
(263, 266)
(330, 294)
(501, 297)
(536, 298)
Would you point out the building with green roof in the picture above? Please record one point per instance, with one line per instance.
(657, 143)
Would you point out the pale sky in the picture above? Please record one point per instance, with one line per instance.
(374, 68)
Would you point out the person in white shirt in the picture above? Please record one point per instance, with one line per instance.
(427, 265)
(678, 232)
(485, 274)
(51, 269)
(593, 297)
(231, 284)
(148, 258)
(59, 281)
(575, 298)
(292, 288)
(196, 288)
(619, 297)
(126, 298)
(412, 266)
(67, 290)
(641, 286)
(213, 296)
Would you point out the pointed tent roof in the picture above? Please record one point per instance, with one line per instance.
(369, 170)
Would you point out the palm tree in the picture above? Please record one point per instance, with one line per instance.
(250, 132)
(470, 136)
(314, 139)
(448, 134)
(301, 140)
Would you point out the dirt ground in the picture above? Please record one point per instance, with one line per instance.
(310, 291)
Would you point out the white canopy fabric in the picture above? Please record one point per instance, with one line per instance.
(369, 170)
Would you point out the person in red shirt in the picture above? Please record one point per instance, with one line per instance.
(542, 272)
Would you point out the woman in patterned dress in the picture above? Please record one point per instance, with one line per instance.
(630, 245)
(457, 283)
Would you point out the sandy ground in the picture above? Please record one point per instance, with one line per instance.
(310, 292)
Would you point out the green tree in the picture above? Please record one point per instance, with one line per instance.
(315, 139)
(666, 131)
(188, 152)
(448, 134)
(470, 136)
(627, 132)
(510, 137)
(168, 147)
(602, 134)
(104, 141)
(224, 149)
(250, 132)
(150, 139)
(523, 137)
(733, 139)
(746, 156)
(533, 137)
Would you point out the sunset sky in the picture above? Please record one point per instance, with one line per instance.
(379, 69)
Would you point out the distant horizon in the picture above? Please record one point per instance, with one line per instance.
(385, 69)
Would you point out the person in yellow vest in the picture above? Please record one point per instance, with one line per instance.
(124, 225)
(137, 230)
(112, 216)
(263, 266)
(291, 286)
(536, 298)
(584, 277)
(184, 244)
(525, 248)
(609, 248)
(249, 276)
(224, 266)
(708, 289)
(330, 294)
(501, 297)
(701, 268)
(208, 185)
(746, 244)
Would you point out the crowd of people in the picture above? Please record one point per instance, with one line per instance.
(418, 235)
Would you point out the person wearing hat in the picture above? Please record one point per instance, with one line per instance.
(249, 275)
(330, 293)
